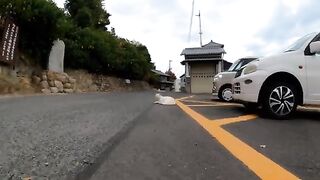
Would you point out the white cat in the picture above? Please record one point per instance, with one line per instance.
(164, 100)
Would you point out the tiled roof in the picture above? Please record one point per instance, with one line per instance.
(203, 60)
(210, 48)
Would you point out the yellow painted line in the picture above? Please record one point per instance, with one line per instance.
(212, 105)
(222, 122)
(194, 101)
(263, 167)
(183, 98)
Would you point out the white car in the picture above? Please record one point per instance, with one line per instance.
(222, 82)
(281, 82)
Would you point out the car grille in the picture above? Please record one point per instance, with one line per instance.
(214, 88)
(236, 88)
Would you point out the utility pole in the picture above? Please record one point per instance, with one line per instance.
(191, 21)
(200, 33)
(170, 61)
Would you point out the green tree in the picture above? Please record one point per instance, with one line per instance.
(82, 26)
(40, 22)
(91, 10)
(172, 75)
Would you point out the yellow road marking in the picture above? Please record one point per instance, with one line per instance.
(202, 102)
(183, 98)
(212, 105)
(262, 166)
(222, 122)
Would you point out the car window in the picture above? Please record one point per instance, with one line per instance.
(299, 43)
(242, 63)
(239, 65)
(245, 62)
(307, 50)
(234, 65)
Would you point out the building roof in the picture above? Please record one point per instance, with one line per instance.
(201, 60)
(210, 48)
(167, 82)
(160, 73)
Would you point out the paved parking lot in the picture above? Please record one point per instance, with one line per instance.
(271, 149)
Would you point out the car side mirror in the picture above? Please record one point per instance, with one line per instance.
(315, 47)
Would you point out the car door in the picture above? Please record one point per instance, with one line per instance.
(313, 77)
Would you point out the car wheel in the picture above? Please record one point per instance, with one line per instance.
(225, 93)
(280, 100)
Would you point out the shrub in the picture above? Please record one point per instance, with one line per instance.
(89, 45)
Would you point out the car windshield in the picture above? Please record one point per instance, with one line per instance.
(234, 65)
(299, 43)
(239, 64)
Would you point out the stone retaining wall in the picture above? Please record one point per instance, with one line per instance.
(52, 82)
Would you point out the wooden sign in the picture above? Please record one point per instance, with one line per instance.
(9, 42)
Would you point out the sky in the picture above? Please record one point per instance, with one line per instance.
(245, 27)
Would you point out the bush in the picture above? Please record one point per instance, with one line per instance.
(89, 45)
(40, 22)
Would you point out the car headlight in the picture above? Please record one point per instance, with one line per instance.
(216, 77)
(250, 69)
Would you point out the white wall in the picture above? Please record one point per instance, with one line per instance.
(177, 85)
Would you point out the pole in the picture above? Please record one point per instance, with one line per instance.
(191, 21)
(200, 33)
(170, 61)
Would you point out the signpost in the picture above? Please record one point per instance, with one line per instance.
(9, 42)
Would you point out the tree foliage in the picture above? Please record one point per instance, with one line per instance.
(83, 29)
(172, 75)
(40, 23)
(84, 11)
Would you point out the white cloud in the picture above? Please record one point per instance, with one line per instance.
(246, 27)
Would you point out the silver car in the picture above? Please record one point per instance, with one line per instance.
(222, 83)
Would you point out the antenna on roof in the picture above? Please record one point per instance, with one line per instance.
(200, 33)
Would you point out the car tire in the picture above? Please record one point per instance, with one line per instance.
(225, 93)
(280, 100)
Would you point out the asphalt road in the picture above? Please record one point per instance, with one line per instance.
(166, 144)
(56, 137)
(292, 144)
(126, 136)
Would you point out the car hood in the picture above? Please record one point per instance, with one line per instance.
(226, 73)
(266, 61)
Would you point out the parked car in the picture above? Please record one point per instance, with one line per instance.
(281, 82)
(222, 83)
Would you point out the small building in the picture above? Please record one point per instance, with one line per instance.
(201, 65)
(183, 83)
(162, 80)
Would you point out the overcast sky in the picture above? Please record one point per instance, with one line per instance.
(245, 27)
